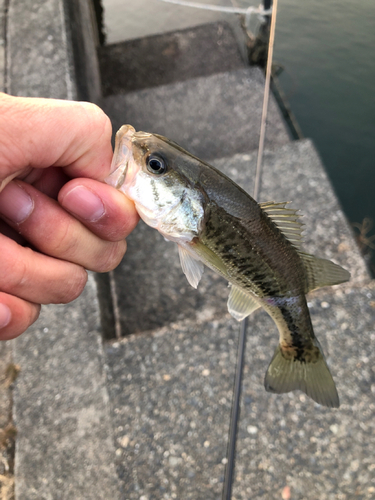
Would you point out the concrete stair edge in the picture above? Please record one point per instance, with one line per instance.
(211, 116)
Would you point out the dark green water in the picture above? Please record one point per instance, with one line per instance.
(327, 49)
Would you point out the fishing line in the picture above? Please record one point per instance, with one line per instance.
(232, 439)
(220, 8)
(259, 169)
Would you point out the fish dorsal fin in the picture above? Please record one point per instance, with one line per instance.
(192, 268)
(286, 219)
(322, 272)
(241, 304)
(319, 272)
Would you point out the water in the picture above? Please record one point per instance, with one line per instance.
(327, 52)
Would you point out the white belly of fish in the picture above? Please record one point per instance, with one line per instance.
(176, 214)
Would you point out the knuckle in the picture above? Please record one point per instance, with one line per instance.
(74, 285)
(111, 257)
(99, 121)
(64, 243)
(18, 278)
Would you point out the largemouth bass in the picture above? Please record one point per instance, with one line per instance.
(256, 247)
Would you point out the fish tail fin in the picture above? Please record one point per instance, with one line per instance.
(309, 374)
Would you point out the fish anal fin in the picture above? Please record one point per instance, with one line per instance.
(311, 375)
(192, 268)
(286, 219)
(241, 304)
(322, 272)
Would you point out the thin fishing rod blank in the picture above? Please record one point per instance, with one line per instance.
(229, 469)
(232, 439)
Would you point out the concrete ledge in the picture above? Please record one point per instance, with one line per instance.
(214, 116)
(64, 446)
(171, 392)
(39, 62)
(51, 51)
(287, 440)
(170, 57)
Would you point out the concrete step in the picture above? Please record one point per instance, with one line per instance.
(151, 289)
(168, 58)
(213, 116)
(64, 446)
(171, 395)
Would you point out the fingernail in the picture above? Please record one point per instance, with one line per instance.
(84, 203)
(5, 316)
(15, 204)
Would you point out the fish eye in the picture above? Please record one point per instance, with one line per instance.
(156, 164)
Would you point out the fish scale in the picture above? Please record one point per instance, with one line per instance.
(242, 265)
(253, 273)
(256, 247)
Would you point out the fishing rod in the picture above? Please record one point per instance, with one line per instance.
(233, 429)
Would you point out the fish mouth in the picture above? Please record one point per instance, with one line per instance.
(121, 156)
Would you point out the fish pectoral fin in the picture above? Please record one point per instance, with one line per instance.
(241, 304)
(286, 373)
(192, 268)
(322, 272)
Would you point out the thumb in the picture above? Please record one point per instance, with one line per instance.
(39, 133)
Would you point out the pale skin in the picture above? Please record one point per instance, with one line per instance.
(57, 217)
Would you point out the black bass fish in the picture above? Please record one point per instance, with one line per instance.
(256, 247)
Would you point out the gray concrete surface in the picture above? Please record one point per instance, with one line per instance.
(167, 58)
(320, 454)
(144, 18)
(213, 116)
(51, 51)
(39, 59)
(64, 446)
(171, 396)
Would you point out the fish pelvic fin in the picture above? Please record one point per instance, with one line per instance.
(241, 304)
(192, 268)
(309, 374)
(322, 272)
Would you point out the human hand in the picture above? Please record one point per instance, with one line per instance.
(57, 218)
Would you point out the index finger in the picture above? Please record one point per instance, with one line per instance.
(38, 133)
